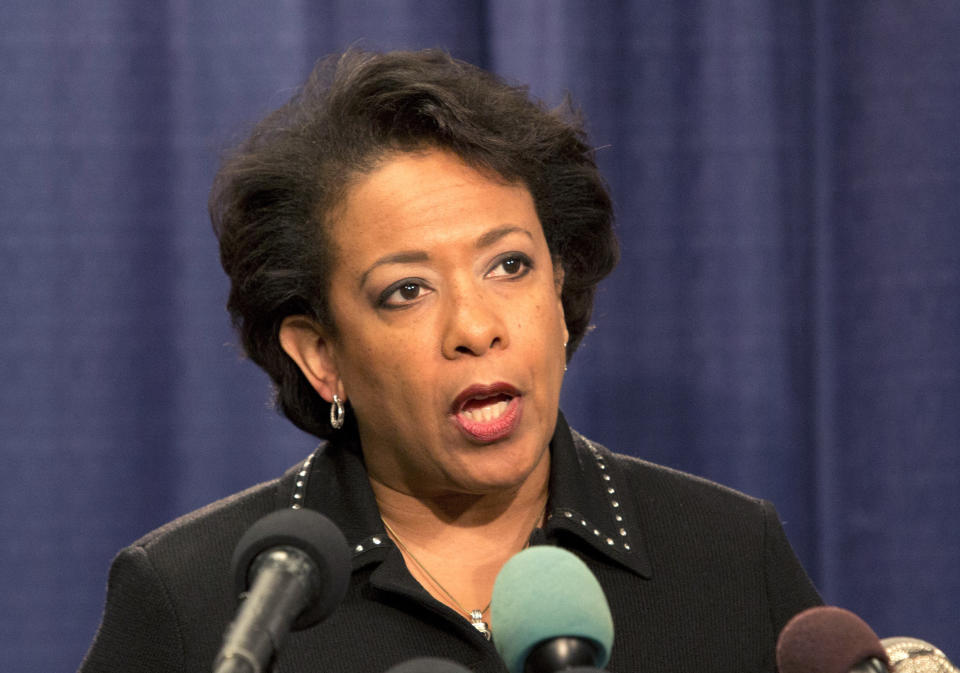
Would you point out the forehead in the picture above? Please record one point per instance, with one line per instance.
(423, 198)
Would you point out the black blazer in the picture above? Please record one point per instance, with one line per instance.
(698, 576)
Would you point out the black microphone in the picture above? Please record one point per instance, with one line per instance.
(830, 640)
(291, 570)
(428, 665)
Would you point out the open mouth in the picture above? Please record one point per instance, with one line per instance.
(486, 409)
(487, 413)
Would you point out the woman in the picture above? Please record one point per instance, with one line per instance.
(413, 248)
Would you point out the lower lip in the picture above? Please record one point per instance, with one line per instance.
(487, 432)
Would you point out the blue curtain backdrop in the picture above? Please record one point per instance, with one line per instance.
(785, 318)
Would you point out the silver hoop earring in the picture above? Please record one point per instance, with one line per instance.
(336, 413)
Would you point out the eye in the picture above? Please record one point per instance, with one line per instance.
(511, 265)
(402, 293)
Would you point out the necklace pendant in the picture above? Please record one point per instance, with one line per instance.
(476, 618)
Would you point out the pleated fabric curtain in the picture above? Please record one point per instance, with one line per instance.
(785, 318)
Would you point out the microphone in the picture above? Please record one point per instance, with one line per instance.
(291, 570)
(549, 613)
(428, 665)
(829, 640)
(911, 655)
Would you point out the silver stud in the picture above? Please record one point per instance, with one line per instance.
(297, 496)
(295, 507)
(606, 477)
(582, 522)
(376, 540)
(303, 473)
(618, 518)
(358, 548)
(300, 484)
(596, 532)
(623, 532)
(602, 466)
(611, 491)
(614, 503)
(627, 547)
(609, 541)
(569, 515)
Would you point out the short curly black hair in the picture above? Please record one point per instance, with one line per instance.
(275, 192)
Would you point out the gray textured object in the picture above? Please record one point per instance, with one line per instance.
(911, 655)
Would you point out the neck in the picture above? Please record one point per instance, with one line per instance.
(455, 544)
(418, 518)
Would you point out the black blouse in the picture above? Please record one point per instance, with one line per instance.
(698, 576)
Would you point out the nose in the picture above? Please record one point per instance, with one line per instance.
(473, 324)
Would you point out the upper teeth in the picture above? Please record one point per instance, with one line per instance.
(486, 413)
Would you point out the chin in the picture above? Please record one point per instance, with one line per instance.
(500, 478)
(499, 484)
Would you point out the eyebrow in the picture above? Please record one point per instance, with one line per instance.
(495, 235)
(403, 257)
(410, 256)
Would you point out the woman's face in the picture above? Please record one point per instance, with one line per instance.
(450, 331)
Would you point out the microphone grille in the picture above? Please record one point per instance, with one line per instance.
(911, 655)
(826, 639)
(313, 534)
(543, 593)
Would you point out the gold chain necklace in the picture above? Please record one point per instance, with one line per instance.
(476, 616)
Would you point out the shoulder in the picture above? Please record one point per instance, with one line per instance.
(190, 557)
(193, 549)
(652, 483)
(706, 545)
(160, 579)
(222, 517)
(680, 515)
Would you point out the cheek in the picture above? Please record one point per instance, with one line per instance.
(548, 333)
(384, 367)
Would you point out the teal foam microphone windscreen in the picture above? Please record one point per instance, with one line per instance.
(547, 593)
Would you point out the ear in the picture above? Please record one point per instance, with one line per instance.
(311, 348)
(558, 276)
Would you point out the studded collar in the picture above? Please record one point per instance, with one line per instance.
(586, 501)
(589, 499)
